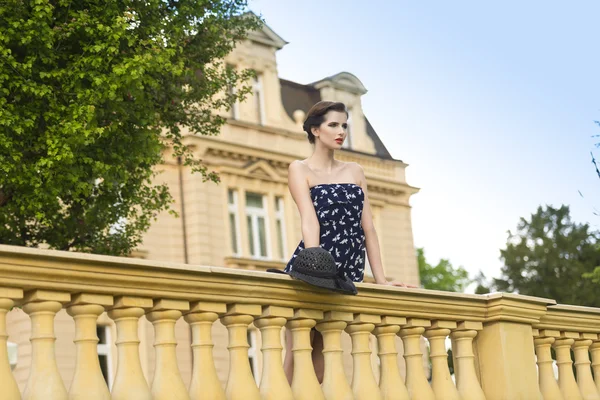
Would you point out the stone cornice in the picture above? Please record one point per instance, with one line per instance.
(375, 185)
(570, 318)
(85, 273)
(515, 308)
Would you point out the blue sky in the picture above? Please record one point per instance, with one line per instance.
(491, 105)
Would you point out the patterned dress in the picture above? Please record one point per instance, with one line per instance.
(339, 208)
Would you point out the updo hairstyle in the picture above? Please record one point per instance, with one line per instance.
(316, 116)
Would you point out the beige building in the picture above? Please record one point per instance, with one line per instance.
(249, 219)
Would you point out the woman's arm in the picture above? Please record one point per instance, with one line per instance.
(300, 191)
(371, 238)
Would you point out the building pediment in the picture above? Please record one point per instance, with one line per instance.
(342, 81)
(261, 170)
(267, 36)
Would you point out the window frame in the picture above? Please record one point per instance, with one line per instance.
(233, 209)
(258, 91)
(253, 352)
(348, 142)
(254, 213)
(104, 350)
(280, 217)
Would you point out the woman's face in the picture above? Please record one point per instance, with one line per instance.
(333, 131)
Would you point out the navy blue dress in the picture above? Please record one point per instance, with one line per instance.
(339, 208)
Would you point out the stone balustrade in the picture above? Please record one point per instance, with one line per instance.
(501, 342)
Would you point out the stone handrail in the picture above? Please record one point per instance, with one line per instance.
(494, 337)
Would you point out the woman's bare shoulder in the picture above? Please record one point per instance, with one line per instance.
(298, 165)
(298, 171)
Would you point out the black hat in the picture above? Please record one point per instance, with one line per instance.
(316, 266)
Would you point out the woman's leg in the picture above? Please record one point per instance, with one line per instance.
(288, 361)
(317, 355)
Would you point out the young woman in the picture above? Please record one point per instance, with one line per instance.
(331, 196)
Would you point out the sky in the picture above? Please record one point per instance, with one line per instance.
(492, 105)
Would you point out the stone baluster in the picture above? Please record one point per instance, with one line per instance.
(581, 348)
(364, 385)
(167, 383)
(205, 383)
(273, 383)
(88, 381)
(305, 385)
(595, 351)
(240, 384)
(548, 385)
(335, 386)
(9, 390)
(129, 383)
(441, 382)
(466, 380)
(44, 379)
(566, 379)
(416, 382)
(391, 383)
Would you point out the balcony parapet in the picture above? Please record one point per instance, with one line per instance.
(495, 337)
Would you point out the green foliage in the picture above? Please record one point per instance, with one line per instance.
(548, 257)
(91, 95)
(443, 276)
(483, 286)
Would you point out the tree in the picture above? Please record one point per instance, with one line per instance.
(548, 256)
(483, 285)
(91, 95)
(443, 276)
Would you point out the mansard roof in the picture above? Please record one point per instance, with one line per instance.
(296, 96)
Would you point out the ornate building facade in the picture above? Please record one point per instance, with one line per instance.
(249, 220)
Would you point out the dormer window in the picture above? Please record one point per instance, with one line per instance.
(348, 142)
(235, 106)
(259, 102)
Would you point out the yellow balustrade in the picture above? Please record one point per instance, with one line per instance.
(129, 383)
(305, 385)
(441, 381)
(88, 381)
(548, 385)
(205, 383)
(416, 382)
(566, 379)
(335, 386)
(9, 390)
(466, 381)
(581, 348)
(505, 345)
(391, 383)
(495, 337)
(240, 384)
(364, 385)
(273, 383)
(595, 351)
(44, 379)
(167, 383)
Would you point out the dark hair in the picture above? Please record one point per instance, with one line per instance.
(316, 116)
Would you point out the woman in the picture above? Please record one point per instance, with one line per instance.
(331, 196)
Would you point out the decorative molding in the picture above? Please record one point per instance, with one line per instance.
(342, 81)
(267, 37)
(516, 308)
(570, 318)
(262, 170)
(252, 263)
(71, 272)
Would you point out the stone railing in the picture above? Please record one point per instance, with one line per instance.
(494, 337)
